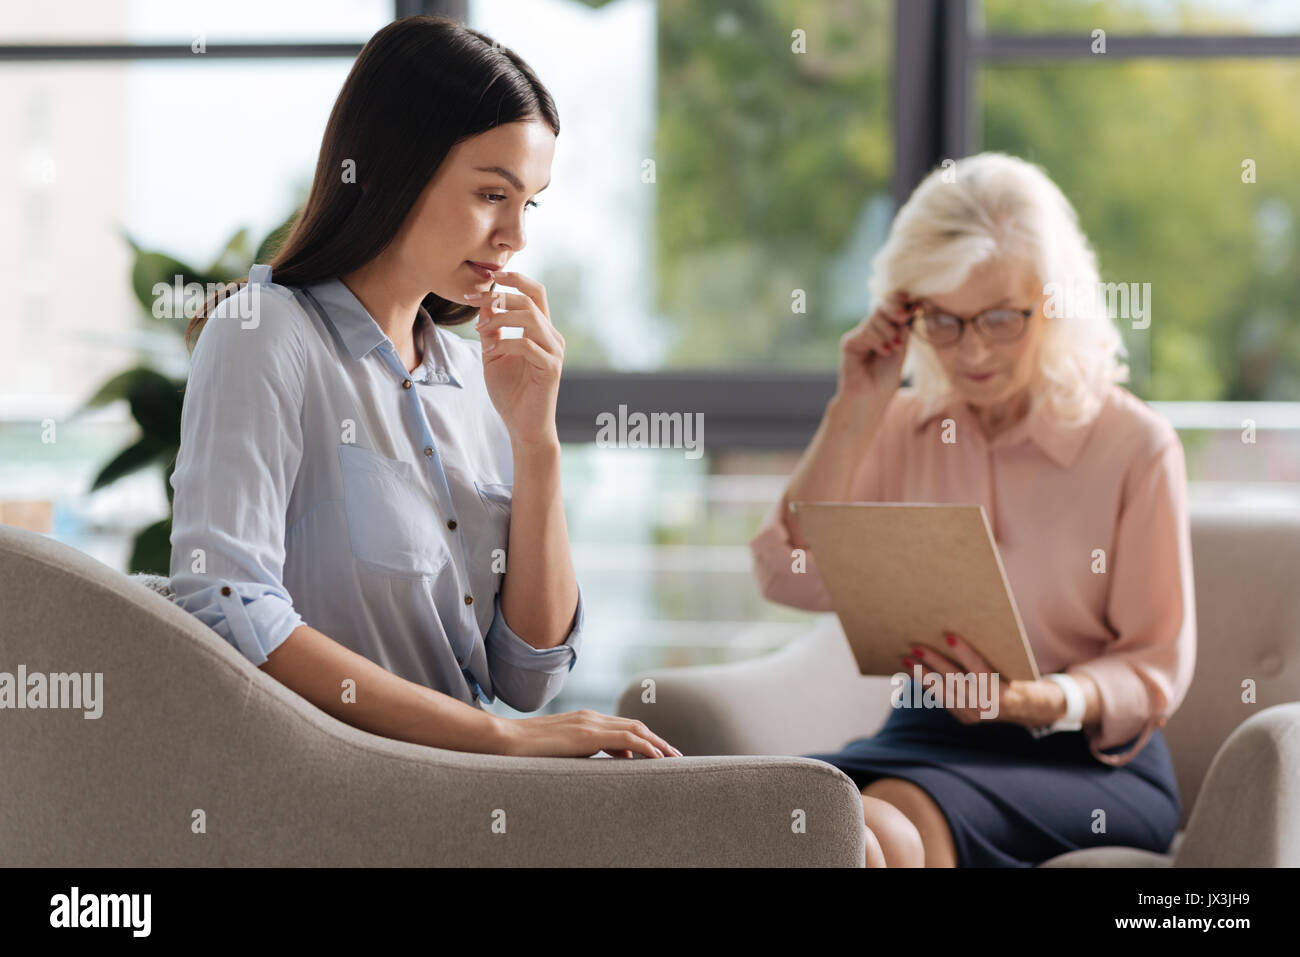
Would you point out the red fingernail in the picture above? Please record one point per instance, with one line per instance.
(917, 651)
(951, 639)
(907, 662)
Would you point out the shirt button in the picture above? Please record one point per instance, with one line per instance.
(451, 523)
(428, 450)
(225, 589)
(406, 384)
(469, 600)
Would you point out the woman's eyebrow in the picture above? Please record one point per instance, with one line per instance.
(508, 176)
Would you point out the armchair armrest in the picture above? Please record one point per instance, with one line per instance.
(280, 783)
(1248, 811)
(330, 794)
(806, 697)
(197, 758)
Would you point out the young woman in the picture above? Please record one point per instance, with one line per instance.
(368, 506)
(1015, 406)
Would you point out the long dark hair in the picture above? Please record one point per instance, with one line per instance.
(418, 87)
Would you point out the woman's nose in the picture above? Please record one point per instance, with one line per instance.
(513, 236)
(971, 348)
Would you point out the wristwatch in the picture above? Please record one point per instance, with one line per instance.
(1074, 707)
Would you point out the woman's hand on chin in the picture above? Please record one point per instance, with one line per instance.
(1028, 703)
(522, 375)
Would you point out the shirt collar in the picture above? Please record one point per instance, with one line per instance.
(1059, 443)
(361, 334)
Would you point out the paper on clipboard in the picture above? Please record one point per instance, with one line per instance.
(899, 574)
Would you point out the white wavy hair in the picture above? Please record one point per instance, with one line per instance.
(992, 207)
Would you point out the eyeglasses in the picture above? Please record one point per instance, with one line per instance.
(999, 325)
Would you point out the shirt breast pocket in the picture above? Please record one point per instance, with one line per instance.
(392, 521)
(496, 496)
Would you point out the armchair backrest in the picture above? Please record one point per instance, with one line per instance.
(1246, 565)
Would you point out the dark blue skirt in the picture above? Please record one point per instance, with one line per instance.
(1013, 800)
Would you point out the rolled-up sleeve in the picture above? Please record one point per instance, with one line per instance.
(524, 677)
(241, 447)
(786, 575)
(254, 618)
(1144, 674)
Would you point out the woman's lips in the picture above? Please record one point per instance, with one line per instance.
(983, 377)
(482, 272)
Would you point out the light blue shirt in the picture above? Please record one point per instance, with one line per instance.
(319, 482)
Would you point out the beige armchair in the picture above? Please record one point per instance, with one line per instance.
(1238, 764)
(201, 759)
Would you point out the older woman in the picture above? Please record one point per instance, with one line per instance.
(1015, 405)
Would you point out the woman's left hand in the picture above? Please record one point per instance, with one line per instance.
(1028, 703)
(522, 375)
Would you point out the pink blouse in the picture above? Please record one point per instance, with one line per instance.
(1125, 615)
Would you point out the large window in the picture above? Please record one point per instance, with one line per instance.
(724, 174)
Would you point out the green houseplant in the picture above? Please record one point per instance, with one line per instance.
(155, 399)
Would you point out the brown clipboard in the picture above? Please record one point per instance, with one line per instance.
(900, 574)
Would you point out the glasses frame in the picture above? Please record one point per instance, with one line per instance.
(915, 308)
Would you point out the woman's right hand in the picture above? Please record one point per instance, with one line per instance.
(872, 354)
(580, 734)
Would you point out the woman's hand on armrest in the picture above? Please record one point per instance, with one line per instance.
(580, 734)
(316, 667)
